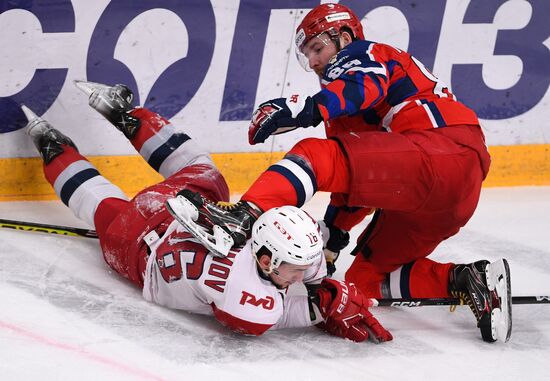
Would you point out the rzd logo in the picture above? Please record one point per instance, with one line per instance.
(266, 303)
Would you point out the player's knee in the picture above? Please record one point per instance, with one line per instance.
(311, 147)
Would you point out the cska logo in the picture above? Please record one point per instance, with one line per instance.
(266, 303)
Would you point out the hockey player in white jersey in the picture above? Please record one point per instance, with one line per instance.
(246, 290)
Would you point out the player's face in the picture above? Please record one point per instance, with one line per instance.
(286, 274)
(318, 51)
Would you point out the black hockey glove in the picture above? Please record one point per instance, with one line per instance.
(335, 239)
(281, 115)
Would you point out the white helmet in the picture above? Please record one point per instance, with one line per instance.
(290, 235)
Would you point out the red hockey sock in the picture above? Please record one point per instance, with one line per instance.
(53, 169)
(270, 190)
(311, 165)
(429, 279)
(151, 124)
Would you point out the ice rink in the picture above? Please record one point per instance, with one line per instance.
(65, 316)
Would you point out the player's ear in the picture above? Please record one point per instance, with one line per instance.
(345, 38)
(264, 261)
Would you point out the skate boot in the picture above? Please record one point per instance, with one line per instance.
(485, 287)
(114, 103)
(47, 140)
(235, 220)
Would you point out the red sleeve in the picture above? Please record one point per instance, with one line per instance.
(238, 325)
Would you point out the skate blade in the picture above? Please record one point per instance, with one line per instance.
(89, 87)
(186, 213)
(29, 114)
(498, 279)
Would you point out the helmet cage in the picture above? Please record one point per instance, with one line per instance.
(330, 19)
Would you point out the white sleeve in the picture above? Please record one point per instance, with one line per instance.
(295, 313)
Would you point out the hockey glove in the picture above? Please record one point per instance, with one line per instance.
(281, 115)
(345, 312)
(334, 239)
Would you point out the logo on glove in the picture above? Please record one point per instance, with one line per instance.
(264, 112)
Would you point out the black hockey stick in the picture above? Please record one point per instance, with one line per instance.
(43, 228)
(419, 302)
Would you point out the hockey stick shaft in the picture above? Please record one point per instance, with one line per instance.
(44, 228)
(398, 302)
(419, 302)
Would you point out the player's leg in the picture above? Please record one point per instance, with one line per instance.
(399, 238)
(313, 164)
(160, 143)
(423, 198)
(394, 247)
(80, 186)
(75, 180)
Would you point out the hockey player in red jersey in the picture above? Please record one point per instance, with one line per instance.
(142, 240)
(399, 144)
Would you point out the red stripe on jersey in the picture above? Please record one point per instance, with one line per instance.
(238, 325)
(61, 162)
(323, 110)
(337, 87)
(410, 82)
(372, 92)
(416, 117)
(151, 123)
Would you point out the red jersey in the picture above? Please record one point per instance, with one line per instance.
(373, 86)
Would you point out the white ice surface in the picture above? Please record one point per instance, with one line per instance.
(65, 316)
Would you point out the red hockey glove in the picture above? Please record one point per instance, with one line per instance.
(281, 115)
(346, 313)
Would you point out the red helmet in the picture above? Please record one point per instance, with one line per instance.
(329, 18)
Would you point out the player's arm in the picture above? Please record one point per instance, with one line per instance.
(356, 81)
(240, 324)
(247, 305)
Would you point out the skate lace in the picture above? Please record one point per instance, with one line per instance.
(225, 205)
(464, 299)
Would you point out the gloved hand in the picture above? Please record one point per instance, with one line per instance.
(345, 312)
(281, 115)
(334, 240)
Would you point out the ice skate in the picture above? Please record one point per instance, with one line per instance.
(114, 103)
(218, 242)
(485, 287)
(47, 140)
(235, 219)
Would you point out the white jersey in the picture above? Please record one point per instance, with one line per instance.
(182, 275)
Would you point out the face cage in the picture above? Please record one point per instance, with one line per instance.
(325, 37)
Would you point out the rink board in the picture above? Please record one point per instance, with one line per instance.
(511, 166)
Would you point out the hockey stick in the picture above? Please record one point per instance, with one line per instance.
(43, 228)
(419, 302)
(412, 302)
